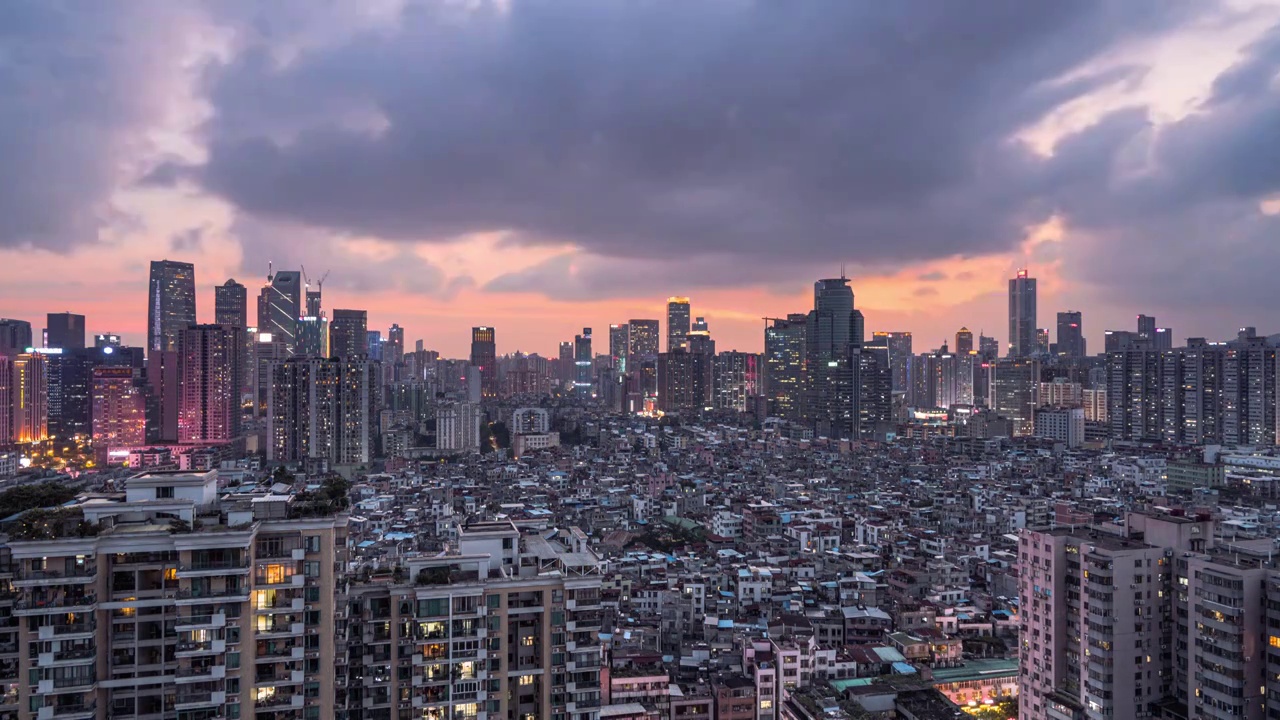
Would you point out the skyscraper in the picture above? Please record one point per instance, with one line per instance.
(349, 334)
(171, 304)
(393, 349)
(1147, 328)
(106, 340)
(829, 335)
(29, 397)
(69, 375)
(643, 336)
(685, 381)
(1071, 334)
(737, 378)
(163, 400)
(1022, 315)
(784, 348)
(373, 344)
(15, 336)
(1042, 341)
(484, 355)
(313, 337)
(899, 346)
(677, 322)
(619, 348)
(231, 304)
(280, 305)
(988, 347)
(64, 330)
(211, 372)
(873, 391)
(964, 341)
(582, 358)
(1012, 388)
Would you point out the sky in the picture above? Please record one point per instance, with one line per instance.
(545, 165)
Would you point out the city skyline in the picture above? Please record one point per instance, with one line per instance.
(742, 228)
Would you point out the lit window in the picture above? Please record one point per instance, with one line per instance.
(526, 679)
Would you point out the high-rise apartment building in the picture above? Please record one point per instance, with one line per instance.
(484, 355)
(15, 336)
(1071, 342)
(171, 304)
(349, 334)
(1022, 315)
(1147, 328)
(119, 410)
(506, 626)
(323, 409)
(231, 304)
(163, 400)
(179, 604)
(619, 348)
(678, 322)
(64, 330)
(210, 374)
(583, 377)
(685, 380)
(313, 337)
(393, 349)
(643, 338)
(784, 348)
(1011, 388)
(458, 427)
(736, 377)
(280, 304)
(873, 391)
(6, 399)
(1042, 341)
(68, 378)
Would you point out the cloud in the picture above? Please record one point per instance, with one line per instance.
(81, 82)
(188, 240)
(877, 133)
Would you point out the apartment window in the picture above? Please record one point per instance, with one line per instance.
(526, 679)
(164, 493)
(233, 711)
(495, 602)
(233, 660)
(313, 712)
(311, 569)
(233, 686)
(313, 594)
(312, 543)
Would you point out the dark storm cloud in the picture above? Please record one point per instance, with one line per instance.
(869, 131)
(79, 82)
(1170, 217)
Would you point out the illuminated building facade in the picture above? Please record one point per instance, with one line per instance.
(280, 305)
(349, 334)
(171, 304)
(231, 304)
(29, 393)
(119, 410)
(484, 355)
(784, 352)
(1022, 315)
(210, 369)
(678, 322)
(582, 359)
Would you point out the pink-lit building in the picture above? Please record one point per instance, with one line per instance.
(209, 389)
(119, 410)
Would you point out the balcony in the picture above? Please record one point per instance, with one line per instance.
(66, 631)
(78, 711)
(74, 656)
(74, 684)
(279, 630)
(189, 648)
(213, 568)
(192, 597)
(280, 700)
(34, 578)
(291, 677)
(79, 604)
(278, 582)
(285, 604)
(201, 622)
(196, 700)
(200, 673)
(281, 655)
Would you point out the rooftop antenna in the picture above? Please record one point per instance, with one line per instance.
(268, 271)
(842, 276)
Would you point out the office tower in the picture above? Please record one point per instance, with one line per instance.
(349, 334)
(29, 398)
(1042, 341)
(784, 348)
(323, 409)
(700, 325)
(119, 410)
(280, 304)
(197, 586)
(644, 342)
(483, 591)
(393, 348)
(619, 348)
(1121, 340)
(964, 341)
(15, 336)
(677, 322)
(1163, 339)
(1071, 334)
(988, 347)
(458, 427)
(106, 340)
(210, 372)
(163, 400)
(64, 330)
(1012, 386)
(873, 391)
(484, 355)
(373, 344)
(418, 346)
(736, 377)
(967, 366)
(1022, 315)
(313, 337)
(940, 369)
(899, 345)
(311, 298)
(582, 358)
(829, 334)
(1147, 328)
(267, 351)
(69, 376)
(6, 399)
(231, 304)
(171, 304)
